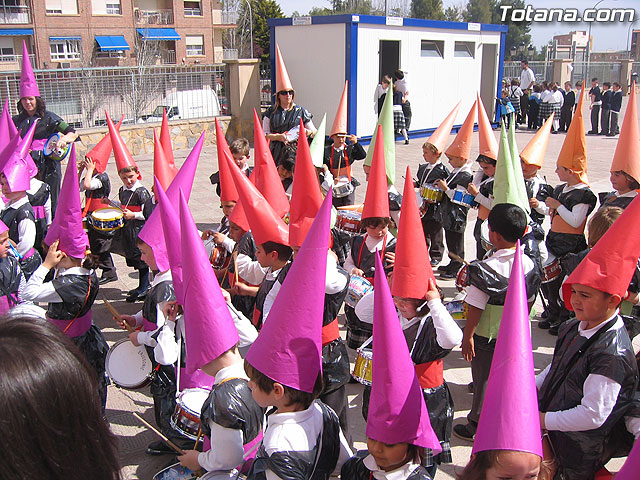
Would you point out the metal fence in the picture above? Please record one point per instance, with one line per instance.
(265, 84)
(604, 71)
(81, 96)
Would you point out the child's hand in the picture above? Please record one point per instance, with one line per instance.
(353, 139)
(533, 202)
(468, 350)
(128, 214)
(356, 271)
(130, 320)
(226, 295)
(219, 238)
(472, 189)
(207, 234)
(89, 165)
(170, 310)
(433, 292)
(441, 184)
(133, 336)
(242, 289)
(390, 257)
(190, 460)
(54, 256)
(552, 203)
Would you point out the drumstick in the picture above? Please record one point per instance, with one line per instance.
(115, 313)
(198, 438)
(157, 432)
(457, 258)
(235, 266)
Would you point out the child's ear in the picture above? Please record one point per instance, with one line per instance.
(278, 390)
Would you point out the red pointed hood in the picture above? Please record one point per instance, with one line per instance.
(100, 154)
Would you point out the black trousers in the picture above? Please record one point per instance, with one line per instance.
(565, 118)
(480, 251)
(604, 120)
(480, 368)
(455, 244)
(434, 235)
(595, 117)
(406, 110)
(337, 400)
(100, 245)
(613, 124)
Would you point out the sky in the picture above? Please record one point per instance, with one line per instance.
(606, 36)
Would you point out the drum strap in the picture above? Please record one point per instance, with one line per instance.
(364, 242)
(83, 305)
(559, 225)
(330, 332)
(336, 171)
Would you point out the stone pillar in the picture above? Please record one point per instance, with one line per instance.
(626, 68)
(243, 95)
(562, 68)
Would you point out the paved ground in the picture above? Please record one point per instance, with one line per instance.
(205, 207)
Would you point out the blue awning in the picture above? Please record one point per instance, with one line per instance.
(159, 33)
(16, 31)
(110, 43)
(66, 38)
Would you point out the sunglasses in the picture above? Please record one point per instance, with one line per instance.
(286, 92)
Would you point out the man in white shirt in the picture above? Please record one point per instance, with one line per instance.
(527, 77)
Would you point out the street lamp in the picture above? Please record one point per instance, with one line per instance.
(629, 39)
(531, 50)
(513, 52)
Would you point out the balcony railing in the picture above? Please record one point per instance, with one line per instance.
(15, 59)
(229, 18)
(192, 11)
(167, 57)
(15, 14)
(230, 54)
(154, 17)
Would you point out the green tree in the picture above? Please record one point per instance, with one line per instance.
(518, 33)
(478, 11)
(430, 9)
(453, 13)
(262, 10)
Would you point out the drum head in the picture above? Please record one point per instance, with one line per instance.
(108, 213)
(174, 472)
(192, 399)
(50, 144)
(127, 365)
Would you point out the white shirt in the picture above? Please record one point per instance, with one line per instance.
(158, 278)
(136, 215)
(400, 473)
(501, 261)
(526, 77)
(600, 394)
(380, 90)
(37, 291)
(298, 432)
(293, 133)
(250, 270)
(402, 86)
(226, 443)
(372, 245)
(26, 227)
(480, 198)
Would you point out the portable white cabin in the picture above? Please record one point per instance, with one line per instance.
(443, 62)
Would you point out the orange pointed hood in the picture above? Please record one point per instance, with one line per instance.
(627, 154)
(487, 143)
(440, 137)
(573, 154)
(282, 77)
(340, 120)
(533, 153)
(461, 145)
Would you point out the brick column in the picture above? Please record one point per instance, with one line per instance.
(243, 95)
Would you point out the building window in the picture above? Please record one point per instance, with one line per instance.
(195, 45)
(7, 54)
(62, 7)
(106, 7)
(65, 49)
(464, 50)
(192, 8)
(432, 48)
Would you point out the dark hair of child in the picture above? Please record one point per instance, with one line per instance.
(375, 222)
(131, 168)
(294, 397)
(431, 147)
(508, 220)
(41, 107)
(600, 223)
(484, 159)
(479, 463)
(284, 251)
(240, 146)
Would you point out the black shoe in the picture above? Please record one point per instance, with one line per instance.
(133, 292)
(465, 432)
(159, 448)
(544, 314)
(591, 132)
(435, 263)
(448, 275)
(137, 295)
(553, 330)
(544, 324)
(470, 387)
(406, 142)
(104, 279)
(611, 134)
(444, 268)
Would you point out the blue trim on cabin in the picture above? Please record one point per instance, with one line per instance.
(503, 40)
(272, 60)
(351, 73)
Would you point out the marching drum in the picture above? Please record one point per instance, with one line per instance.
(358, 287)
(342, 188)
(462, 280)
(127, 365)
(349, 221)
(431, 194)
(51, 150)
(175, 472)
(219, 257)
(362, 370)
(461, 197)
(458, 309)
(186, 417)
(551, 270)
(106, 219)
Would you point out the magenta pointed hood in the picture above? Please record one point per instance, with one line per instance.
(6, 133)
(397, 411)
(512, 422)
(209, 328)
(151, 233)
(67, 224)
(15, 167)
(28, 85)
(631, 467)
(289, 347)
(3, 227)
(25, 150)
(170, 222)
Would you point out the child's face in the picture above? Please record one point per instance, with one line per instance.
(488, 169)
(515, 466)
(429, 156)
(567, 86)
(235, 232)
(620, 182)
(388, 457)
(128, 178)
(260, 396)
(615, 88)
(367, 171)
(4, 244)
(378, 232)
(564, 174)
(147, 256)
(338, 140)
(227, 208)
(406, 306)
(457, 162)
(529, 171)
(265, 259)
(6, 191)
(240, 159)
(591, 305)
(283, 172)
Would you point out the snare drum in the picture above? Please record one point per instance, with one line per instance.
(186, 417)
(458, 309)
(127, 365)
(218, 255)
(362, 370)
(551, 270)
(462, 280)
(358, 287)
(431, 193)
(51, 150)
(175, 472)
(106, 219)
(349, 221)
(342, 188)
(461, 197)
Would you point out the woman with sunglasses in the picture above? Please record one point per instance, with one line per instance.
(281, 124)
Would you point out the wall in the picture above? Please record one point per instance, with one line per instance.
(139, 138)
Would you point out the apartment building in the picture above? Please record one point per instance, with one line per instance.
(71, 33)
